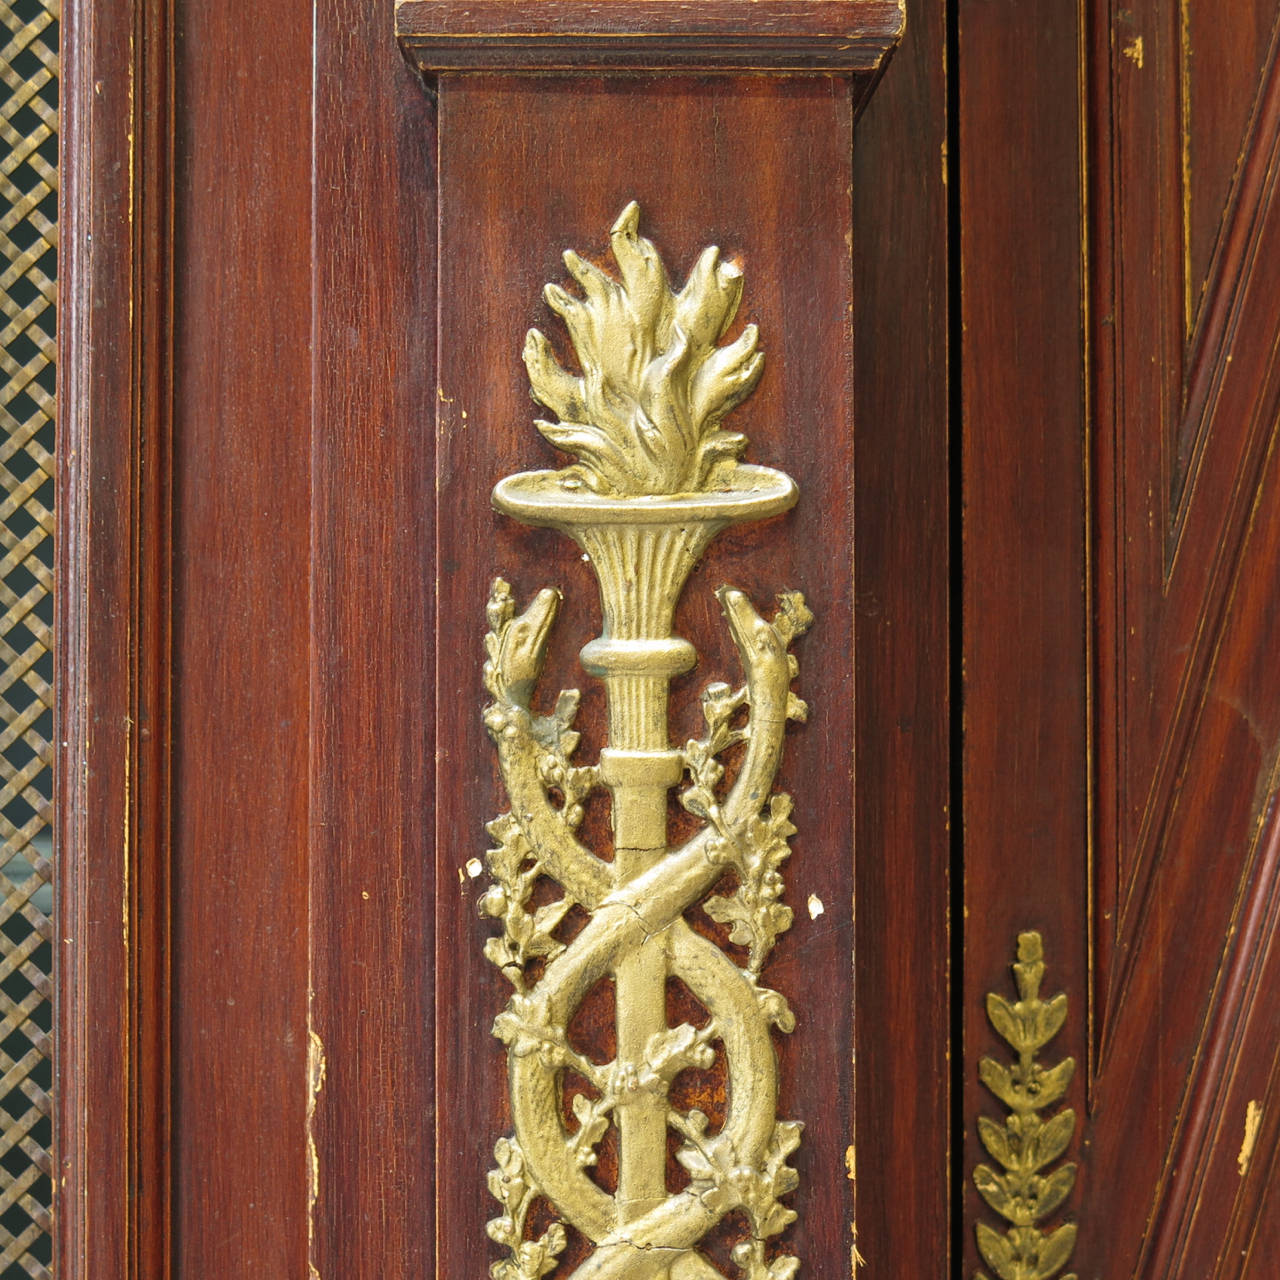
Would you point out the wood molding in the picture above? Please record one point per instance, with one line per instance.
(696, 35)
(1237, 1069)
(113, 645)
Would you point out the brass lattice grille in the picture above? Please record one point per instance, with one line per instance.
(28, 216)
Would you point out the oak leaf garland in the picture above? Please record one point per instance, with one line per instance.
(528, 1259)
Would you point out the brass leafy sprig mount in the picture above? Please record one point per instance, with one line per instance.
(753, 911)
(722, 1182)
(644, 416)
(509, 1184)
(1027, 1143)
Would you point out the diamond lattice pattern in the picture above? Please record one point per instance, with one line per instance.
(28, 215)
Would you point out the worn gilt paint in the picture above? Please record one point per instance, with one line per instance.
(657, 476)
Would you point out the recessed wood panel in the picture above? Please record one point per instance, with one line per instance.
(1222, 59)
(760, 167)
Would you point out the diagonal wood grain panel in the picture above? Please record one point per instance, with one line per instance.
(1165, 654)
(1221, 71)
(1186, 578)
(1164, 567)
(1195, 1030)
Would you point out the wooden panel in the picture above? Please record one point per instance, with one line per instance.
(1204, 870)
(1024, 606)
(308, 664)
(183, 982)
(1255, 1233)
(745, 164)
(1168, 487)
(295, 1128)
(372, 619)
(902, 668)
(1187, 705)
(1218, 1169)
(1223, 52)
(241, 492)
(1194, 1036)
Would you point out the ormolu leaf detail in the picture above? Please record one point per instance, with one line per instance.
(592, 1115)
(998, 1142)
(509, 1185)
(997, 1252)
(1053, 1137)
(1027, 1024)
(1055, 1251)
(1050, 1192)
(1025, 1144)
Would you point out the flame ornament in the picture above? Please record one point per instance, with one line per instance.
(656, 477)
(644, 417)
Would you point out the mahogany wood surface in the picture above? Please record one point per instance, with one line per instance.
(1163, 377)
(741, 163)
(112, 663)
(373, 645)
(1025, 801)
(291, 1129)
(241, 642)
(902, 660)
(1186, 307)
(1140, 362)
(275, 542)
(773, 35)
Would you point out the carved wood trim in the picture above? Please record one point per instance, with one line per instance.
(700, 35)
(1227, 285)
(1191, 1218)
(1177, 642)
(111, 1112)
